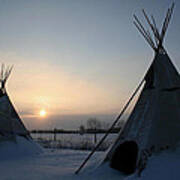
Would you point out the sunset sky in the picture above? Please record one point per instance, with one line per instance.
(77, 59)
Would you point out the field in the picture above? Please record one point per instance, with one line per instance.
(73, 141)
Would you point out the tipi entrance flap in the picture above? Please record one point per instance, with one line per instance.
(125, 157)
(139, 121)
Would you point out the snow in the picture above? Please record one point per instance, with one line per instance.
(51, 164)
(164, 166)
(21, 160)
(19, 147)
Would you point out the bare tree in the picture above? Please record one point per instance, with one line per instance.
(94, 124)
(81, 129)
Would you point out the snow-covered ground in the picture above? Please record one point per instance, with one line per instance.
(53, 165)
(27, 163)
(18, 148)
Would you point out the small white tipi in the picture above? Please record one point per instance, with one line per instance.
(12, 128)
(10, 123)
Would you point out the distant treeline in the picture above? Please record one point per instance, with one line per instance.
(85, 131)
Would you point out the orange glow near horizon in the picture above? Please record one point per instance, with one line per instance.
(41, 95)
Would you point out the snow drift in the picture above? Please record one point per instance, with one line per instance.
(18, 148)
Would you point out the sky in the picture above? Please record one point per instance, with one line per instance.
(77, 59)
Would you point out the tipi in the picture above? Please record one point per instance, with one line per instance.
(154, 123)
(10, 123)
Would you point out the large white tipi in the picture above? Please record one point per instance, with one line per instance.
(154, 124)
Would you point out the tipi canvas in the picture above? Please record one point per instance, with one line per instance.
(154, 124)
(12, 130)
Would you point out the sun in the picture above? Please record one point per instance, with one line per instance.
(42, 113)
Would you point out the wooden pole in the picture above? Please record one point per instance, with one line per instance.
(54, 134)
(110, 129)
(142, 30)
(95, 137)
(149, 22)
(166, 22)
(156, 31)
(144, 35)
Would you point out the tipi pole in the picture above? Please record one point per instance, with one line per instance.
(110, 129)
